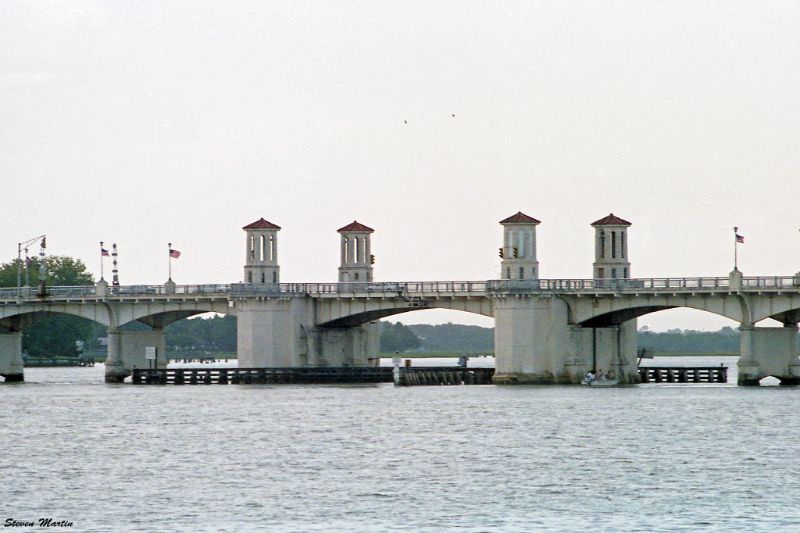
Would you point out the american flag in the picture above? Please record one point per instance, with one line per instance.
(175, 254)
(103, 252)
(739, 238)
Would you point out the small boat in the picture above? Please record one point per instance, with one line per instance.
(603, 383)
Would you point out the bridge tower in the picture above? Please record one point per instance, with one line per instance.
(519, 248)
(611, 248)
(261, 260)
(356, 253)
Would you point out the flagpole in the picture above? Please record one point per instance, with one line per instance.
(169, 255)
(101, 261)
(736, 248)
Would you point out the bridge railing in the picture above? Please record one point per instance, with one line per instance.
(412, 288)
(386, 287)
(638, 284)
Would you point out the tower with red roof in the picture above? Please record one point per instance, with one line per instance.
(611, 248)
(356, 253)
(518, 254)
(261, 253)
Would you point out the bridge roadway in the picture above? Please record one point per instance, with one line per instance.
(331, 324)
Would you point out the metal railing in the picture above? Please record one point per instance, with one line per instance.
(644, 284)
(410, 288)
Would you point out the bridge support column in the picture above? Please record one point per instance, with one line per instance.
(275, 332)
(353, 346)
(126, 351)
(532, 341)
(281, 333)
(535, 344)
(11, 365)
(610, 349)
(768, 352)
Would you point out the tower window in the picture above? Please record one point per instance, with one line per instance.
(249, 276)
(272, 250)
(355, 275)
(614, 245)
(274, 276)
(614, 273)
(508, 273)
(622, 244)
(521, 272)
(602, 244)
(262, 247)
(263, 277)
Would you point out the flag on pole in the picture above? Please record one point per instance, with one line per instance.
(175, 254)
(44, 242)
(103, 252)
(739, 239)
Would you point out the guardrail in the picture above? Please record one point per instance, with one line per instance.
(409, 288)
(639, 284)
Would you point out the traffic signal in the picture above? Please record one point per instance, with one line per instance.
(371, 259)
(516, 252)
(501, 252)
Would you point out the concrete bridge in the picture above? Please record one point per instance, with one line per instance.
(546, 330)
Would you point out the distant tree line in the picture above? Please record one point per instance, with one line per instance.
(216, 334)
(726, 340)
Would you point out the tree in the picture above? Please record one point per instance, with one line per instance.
(397, 338)
(52, 334)
(59, 270)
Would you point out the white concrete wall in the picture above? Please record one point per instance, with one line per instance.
(534, 343)
(355, 346)
(11, 365)
(126, 351)
(269, 332)
(532, 339)
(768, 352)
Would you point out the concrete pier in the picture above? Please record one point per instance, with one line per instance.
(768, 352)
(11, 365)
(127, 351)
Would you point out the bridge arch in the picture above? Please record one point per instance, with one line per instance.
(615, 310)
(346, 316)
(161, 314)
(96, 312)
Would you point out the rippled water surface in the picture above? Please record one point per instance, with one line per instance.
(376, 458)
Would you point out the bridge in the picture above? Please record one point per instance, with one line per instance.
(546, 330)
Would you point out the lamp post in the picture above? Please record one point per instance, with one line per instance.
(24, 246)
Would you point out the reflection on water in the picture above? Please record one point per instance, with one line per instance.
(376, 457)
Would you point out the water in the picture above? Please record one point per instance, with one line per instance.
(377, 458)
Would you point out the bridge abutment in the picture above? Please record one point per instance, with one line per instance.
(768, 352)
(353, 346)
(535, 344)
(282, 333)
(127, 349)
(11, 364)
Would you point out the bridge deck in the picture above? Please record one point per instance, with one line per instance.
(404, 289)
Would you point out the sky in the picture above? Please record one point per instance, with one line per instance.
(148, 122)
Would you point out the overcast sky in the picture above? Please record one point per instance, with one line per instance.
(142, 123)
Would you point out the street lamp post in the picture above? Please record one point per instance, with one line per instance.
(24, 246)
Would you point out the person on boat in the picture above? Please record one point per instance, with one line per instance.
(600, 375)
(589, 377)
